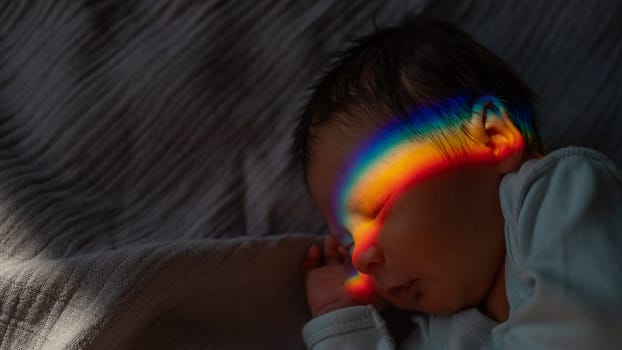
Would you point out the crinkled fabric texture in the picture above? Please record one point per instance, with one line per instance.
(144, 154)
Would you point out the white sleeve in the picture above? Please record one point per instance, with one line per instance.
(356, 327)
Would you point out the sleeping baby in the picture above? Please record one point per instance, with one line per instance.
(419, 148)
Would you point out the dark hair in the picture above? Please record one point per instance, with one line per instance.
(418, 63)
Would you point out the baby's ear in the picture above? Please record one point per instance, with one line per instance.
(491, 127)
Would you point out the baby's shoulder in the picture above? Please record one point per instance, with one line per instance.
(563, 235)
(571, 173)
(566, 160)
(571, 195)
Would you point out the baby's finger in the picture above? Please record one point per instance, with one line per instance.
(312, 258)
(331, 254)
(343, 251)
(346, 259)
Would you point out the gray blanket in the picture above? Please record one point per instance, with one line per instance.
(147, 199)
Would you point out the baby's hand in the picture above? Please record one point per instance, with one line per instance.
(325, 282)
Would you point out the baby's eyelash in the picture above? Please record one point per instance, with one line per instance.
(350, 248)
(385, 208)
(347, 240)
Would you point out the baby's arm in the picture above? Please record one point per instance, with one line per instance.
(569, 251)
(339, 321)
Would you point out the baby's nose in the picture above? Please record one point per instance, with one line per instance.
(366, 259)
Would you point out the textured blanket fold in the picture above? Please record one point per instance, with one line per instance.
(208, 294)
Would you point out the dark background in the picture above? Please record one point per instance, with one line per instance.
(160, 120)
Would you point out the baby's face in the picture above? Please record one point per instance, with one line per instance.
(428, 232)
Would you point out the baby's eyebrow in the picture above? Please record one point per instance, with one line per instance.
(368, 207)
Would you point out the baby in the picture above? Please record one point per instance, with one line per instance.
(420, 151)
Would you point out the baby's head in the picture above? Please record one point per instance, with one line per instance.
(403, 144)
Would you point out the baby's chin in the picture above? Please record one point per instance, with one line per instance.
(418, 303)
(425, 301)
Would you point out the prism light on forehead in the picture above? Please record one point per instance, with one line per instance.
(392, 144)
(423, 122)
(394, 158)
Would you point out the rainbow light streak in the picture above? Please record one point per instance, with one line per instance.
(392, 161)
